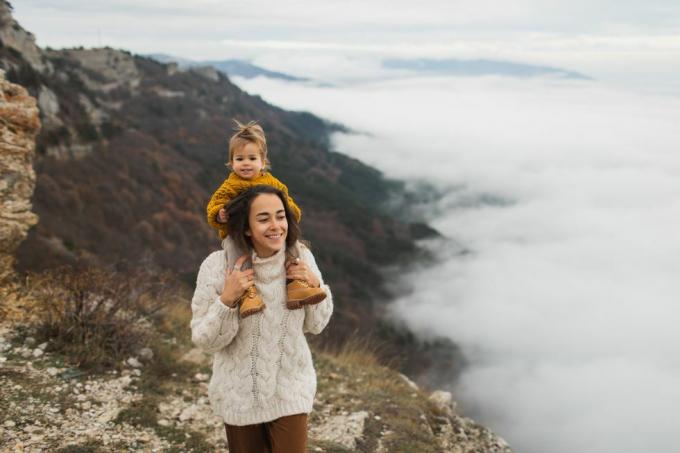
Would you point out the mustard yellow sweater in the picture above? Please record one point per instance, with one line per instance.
(233, 186)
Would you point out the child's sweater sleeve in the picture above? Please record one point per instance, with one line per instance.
(297, 212)
(223, 195)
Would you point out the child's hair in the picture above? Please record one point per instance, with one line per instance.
(248, 133)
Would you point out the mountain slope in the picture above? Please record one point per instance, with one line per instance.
(131, 150)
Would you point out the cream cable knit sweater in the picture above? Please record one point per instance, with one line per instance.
(262, 366)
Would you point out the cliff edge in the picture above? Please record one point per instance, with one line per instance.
(19, 125)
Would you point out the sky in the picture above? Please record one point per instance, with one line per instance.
(566, 196)
(625, 41)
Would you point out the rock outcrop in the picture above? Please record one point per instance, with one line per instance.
(14, 36)
(114, 68)
(19, 124)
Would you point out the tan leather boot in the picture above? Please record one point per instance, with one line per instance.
(251, 303)
(301, 294)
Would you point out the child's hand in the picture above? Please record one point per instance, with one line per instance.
(298, 270)
(222, 216)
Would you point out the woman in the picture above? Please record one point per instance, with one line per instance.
(263, 382)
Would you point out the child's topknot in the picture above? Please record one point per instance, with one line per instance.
(250, 132)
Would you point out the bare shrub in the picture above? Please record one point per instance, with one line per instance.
(97, 317)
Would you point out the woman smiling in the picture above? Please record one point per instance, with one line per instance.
(263, 381)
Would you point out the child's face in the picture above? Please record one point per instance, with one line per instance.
(247, 161)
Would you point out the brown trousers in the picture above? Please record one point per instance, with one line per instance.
(283, 435)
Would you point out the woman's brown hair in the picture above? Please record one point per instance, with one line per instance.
(239, 208)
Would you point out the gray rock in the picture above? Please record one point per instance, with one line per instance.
(48, 102)
(201, 377)
(408, 381)
(146, 354)
(443, 402)
(168, 410)
(108, 415)
(32, 429)
(124, 381)
(133, 362)
(342, 429)
(189, 413)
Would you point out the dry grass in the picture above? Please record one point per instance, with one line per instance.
(96, 317)
(356, 351)
(175, 319)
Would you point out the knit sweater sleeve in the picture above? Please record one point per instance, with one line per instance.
(223, 195)
(316, 316)
(213, 324)
(297, 212)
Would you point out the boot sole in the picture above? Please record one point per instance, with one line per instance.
(252, 311)
(294, 304)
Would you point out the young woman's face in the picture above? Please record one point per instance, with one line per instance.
(268, 226)
(247, 161)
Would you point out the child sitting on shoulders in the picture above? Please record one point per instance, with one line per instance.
(249, 164)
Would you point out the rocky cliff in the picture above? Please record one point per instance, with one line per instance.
(19, 125)
(12, 35)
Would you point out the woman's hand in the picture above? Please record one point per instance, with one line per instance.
(236, 282)
(297, 269)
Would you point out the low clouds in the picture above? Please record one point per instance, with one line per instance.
(566, 304)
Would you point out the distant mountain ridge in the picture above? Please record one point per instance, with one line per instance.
(459, 67)
(231, 67)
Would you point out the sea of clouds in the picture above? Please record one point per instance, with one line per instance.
(567, 196)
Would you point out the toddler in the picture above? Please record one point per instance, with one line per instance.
(249, 164)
